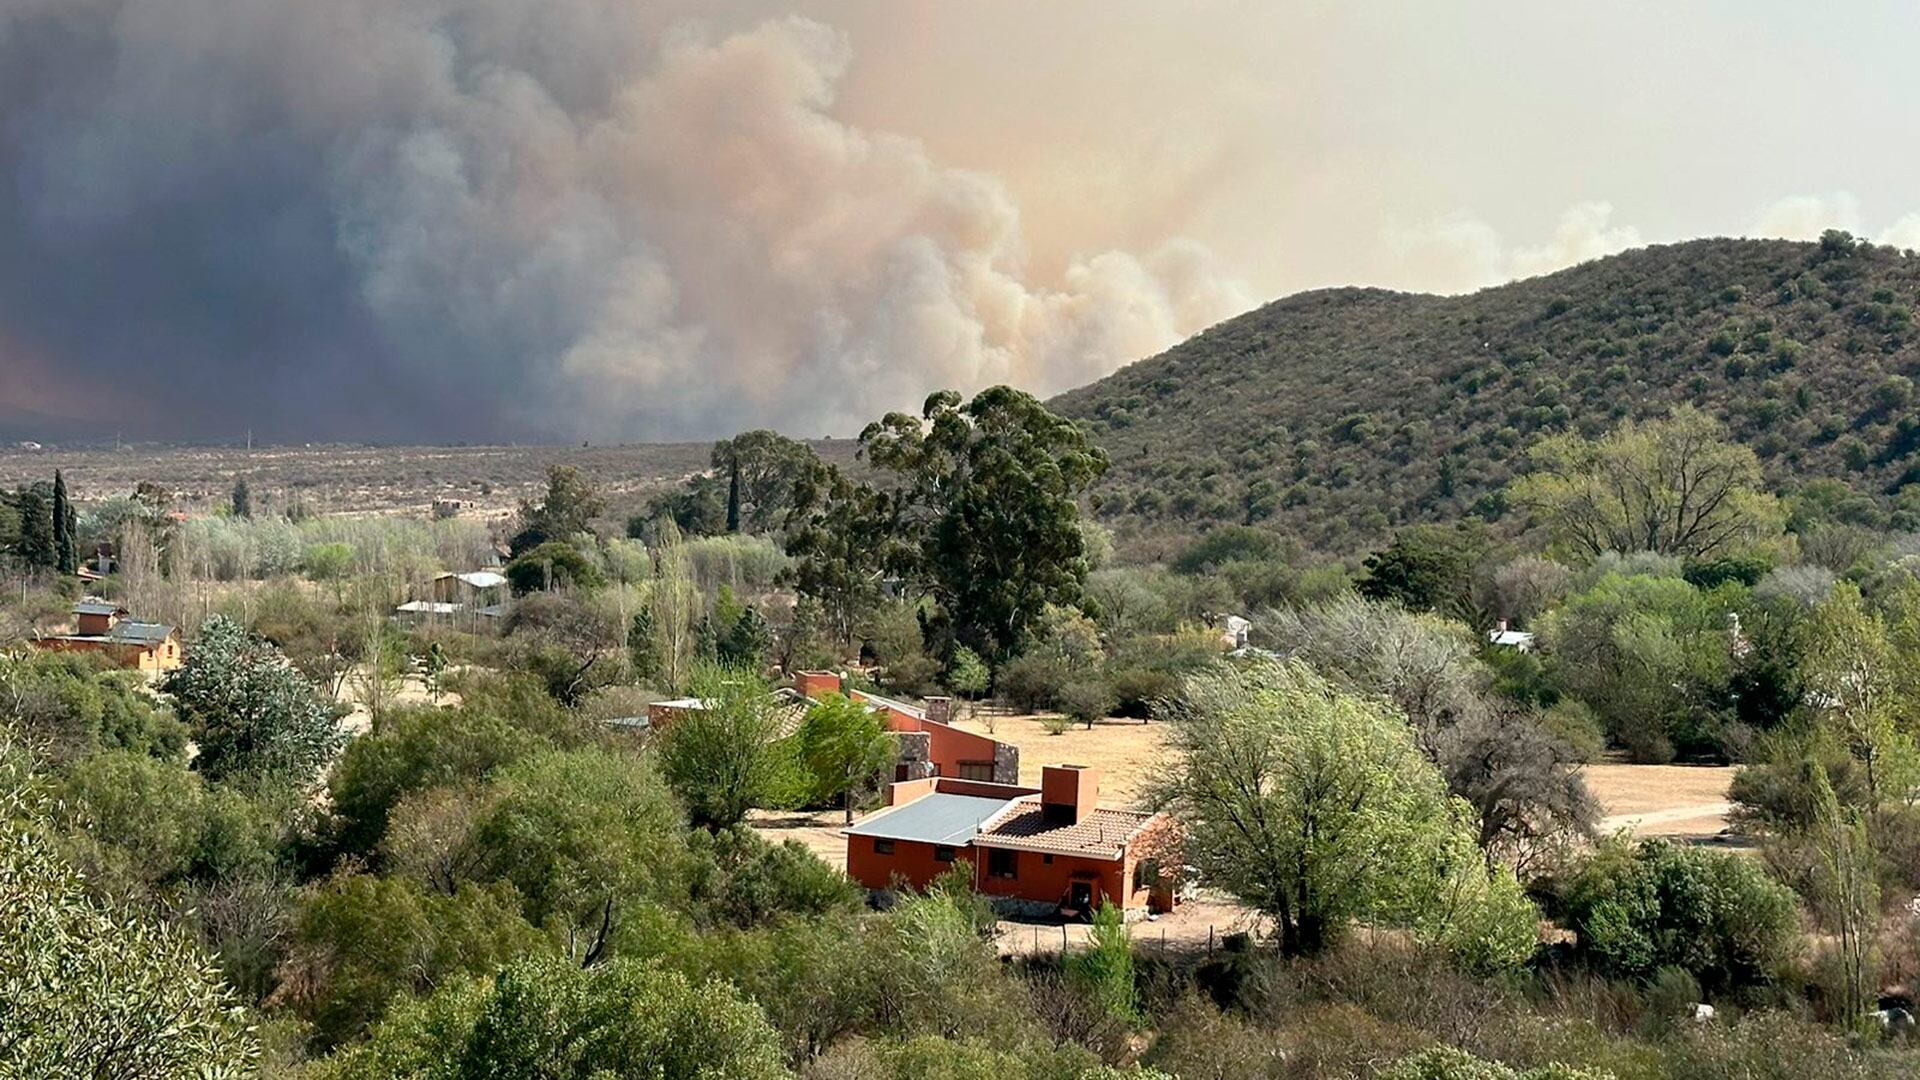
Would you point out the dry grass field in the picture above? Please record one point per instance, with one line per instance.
(1684, 801)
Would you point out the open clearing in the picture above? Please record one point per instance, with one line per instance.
(1125, 751)
(1683, 801)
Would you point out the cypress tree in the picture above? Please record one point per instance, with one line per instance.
(242, 499)
(733, 497)
(64, 558)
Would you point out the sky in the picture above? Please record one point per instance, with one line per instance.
(486, 220)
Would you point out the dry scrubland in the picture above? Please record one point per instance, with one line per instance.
(338, 478)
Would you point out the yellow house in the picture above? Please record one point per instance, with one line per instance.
(103, 626)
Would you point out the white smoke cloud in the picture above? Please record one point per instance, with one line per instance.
(1903, 234)
(1461, 253)
(590, 220)
(1805, 217)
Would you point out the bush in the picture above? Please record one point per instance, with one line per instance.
(1034, 682)
(1574, 724)
(555, 564)
(1717, 916)
(1087, 700)
(1136, 689)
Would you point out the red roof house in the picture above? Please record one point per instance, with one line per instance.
(1050, 851)
(930, 744)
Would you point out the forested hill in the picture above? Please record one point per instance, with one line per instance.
(1340, 414)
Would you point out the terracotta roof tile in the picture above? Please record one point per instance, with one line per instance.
(1103, 833)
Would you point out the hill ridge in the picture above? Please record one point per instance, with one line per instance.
(1341, 413)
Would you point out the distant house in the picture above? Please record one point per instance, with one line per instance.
(475, 588)
(1504, 638)
(661, 714)
(478, 593)
(930, 745)
(1048, 851)
(102, 626)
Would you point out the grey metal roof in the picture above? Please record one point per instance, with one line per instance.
(139, 633)
(93, 605)
(939, 818)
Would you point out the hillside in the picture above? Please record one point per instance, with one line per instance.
(1340, 414)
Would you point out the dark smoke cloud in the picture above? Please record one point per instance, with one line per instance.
(493, 219)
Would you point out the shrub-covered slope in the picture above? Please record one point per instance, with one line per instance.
(1341, 414)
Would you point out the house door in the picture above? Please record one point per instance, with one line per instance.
(1080, 895)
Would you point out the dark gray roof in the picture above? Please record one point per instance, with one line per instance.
(139, 633)
(93, 605)
(939, 818)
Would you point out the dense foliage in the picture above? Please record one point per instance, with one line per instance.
(1342, 414)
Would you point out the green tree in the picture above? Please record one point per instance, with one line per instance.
(359, 941)
(643, 647)
(65, 560)
(242, 502)
(34, 505)
(987, 508)
(250, 711)
(91, 989)
(1315, 806)
(1427, 568)
(674, 602)
(329, 563)
(763, 469)
(747, 642)
(841, 547)
(1651, 655)
(1641, 907)
(1105, 967)
(1846, 896)
(544, 1017)
(845, 750)
(1677, 486)
(725, 758)
(1853, 673)
(967, 674)
(580, 835)
(567, 510)
(555, 564)
(495, 724)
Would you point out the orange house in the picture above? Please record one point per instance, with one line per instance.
(1051, 851)
(102, 626)
(930, 744)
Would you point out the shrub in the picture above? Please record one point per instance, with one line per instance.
(1716, 915)
(1574, 724)
(1087, 700)
(1034, 682)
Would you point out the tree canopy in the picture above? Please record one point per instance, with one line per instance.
(985, 504)
(1677, 486)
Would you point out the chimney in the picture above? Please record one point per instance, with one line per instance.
(1068, 793)
(940, 710)
(814, 684)
(1502, 627)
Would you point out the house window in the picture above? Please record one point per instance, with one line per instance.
(943, 853)
(1048, 859)
(1002, 863)
(977, 770)
(882, 847)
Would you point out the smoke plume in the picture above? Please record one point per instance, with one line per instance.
(444, 219)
